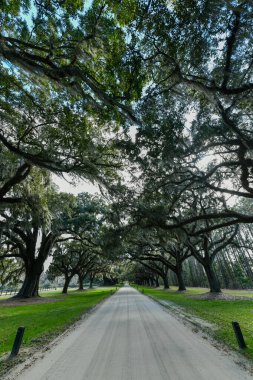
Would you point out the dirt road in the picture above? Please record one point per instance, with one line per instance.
(130, 337)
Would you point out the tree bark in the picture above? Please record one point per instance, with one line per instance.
(212, 279)
(80, 281)
(180, 280)
(166, 282)
(30, 286)
(66, 285)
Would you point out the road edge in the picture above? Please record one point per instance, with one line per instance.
(204, 333)
(26, 359)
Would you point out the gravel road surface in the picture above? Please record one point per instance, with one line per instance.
(131, 337)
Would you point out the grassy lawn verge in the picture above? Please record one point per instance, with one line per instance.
(44, 321)
(219, 312)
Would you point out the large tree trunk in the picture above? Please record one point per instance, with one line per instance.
(30, 286)
(66, 285)
(212, 279)
(80, 281)
(34, 263)
(157, 282)
(180, 280)
(166, 282)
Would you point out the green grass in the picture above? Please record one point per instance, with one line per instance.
(219, 312)
(45, 321)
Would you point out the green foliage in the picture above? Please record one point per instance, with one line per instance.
(62, 122)
(126, 11)
(76, 74)
(10, 272)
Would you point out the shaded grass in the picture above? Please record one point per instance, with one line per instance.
(43, 293)
(219, 312)
(44, 321)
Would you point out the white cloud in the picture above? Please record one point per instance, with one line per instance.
(68, 185)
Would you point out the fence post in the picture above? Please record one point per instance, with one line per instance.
(238, 335)
(17, 342)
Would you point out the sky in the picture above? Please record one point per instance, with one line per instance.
(66, 184)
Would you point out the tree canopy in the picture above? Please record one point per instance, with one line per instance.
(153, 100)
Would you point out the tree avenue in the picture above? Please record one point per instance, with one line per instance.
(150, 99)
